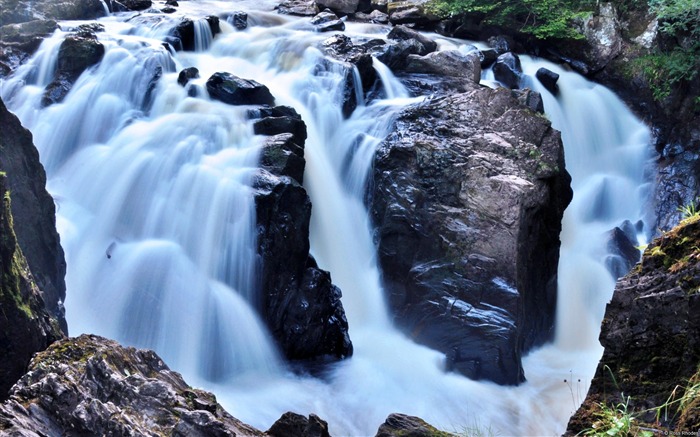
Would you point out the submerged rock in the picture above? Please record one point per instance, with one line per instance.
(234, 90)
(186, 75)
(34, 213)
(93, 386)
(467, 196)
(651, 335)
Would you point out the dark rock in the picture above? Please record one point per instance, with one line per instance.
(379, 5)
(327, 21)
(446, 63)
(282, 156)
(56, 91)
(34, 213)
(341, 47)
(136, 5)
(20, 11)
(651, 335)
(458, 195)
(501, 44)
(343, 7)
(19, 41)
(279, 125)
(172, 3)
(375, 16)
(168, 10)
(530, 99)
(187, 74)
(239, 20)
(93, 386)
(303, 8)
(403, 33)
(233, 90)
(395, 55)
(623, 254)
(26, 327)
(296, 425)
(183, 35)
(508, 70)
(488, 57)
(549, 79)
(401, 425)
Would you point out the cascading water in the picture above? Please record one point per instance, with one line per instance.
(156, 217)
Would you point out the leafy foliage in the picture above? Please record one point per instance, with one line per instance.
(664, 71)
(544, 19)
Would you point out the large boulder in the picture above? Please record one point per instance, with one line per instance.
(18, 41)
(300, 304)
(349, 56)
(447, 64)
(20, 11)
(93, 386)
(327, 21)
(296, 425)
(182, 36)
(343, 7)
(26, 327)
(401, 425)
(651, 335)
(410, 11)
(403, 33)
(304, 8)
(34, 213)
(234, 90)
(467, 196)
(507, 69)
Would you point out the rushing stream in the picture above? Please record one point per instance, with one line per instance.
(156, 218)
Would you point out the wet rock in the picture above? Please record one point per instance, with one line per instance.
(20, 11)
(403, 33)
(458, 194)
(304, 8)
(301, 306)
(34, 215)
(341, 47)
(501, 44)
(234, 90)
(488, 57)
(623, 254)
(343, 7)
(508, 70)
(651, 335)
(187, 74)
(136, 5)
(327, 21)
(19, 41)
(549, 79)
(239, 20)
(375, 16)
(395, 55)
(93, 386)
(399, 425)
(172, 3)
(182, 36)
(410, 11)
(379, 5)
(296, 425)
(446, 63)
(530, 99)
(168, 10)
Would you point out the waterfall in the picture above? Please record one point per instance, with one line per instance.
(157, 221)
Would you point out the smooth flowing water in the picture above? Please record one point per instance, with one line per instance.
(156, 217)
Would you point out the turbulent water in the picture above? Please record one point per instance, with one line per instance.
(156, 218)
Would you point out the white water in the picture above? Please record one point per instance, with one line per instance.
(155, 215)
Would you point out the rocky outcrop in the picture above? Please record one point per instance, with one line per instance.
(25, 325)
(20, 11)
(410, 11)
(400, 425)
(304, 8)
(93, 386)
(327, 21)
(651, 335)
(234, 90)
(182, 36)
(300, 304)
(467, 197)
(34, 212)
(296, 425)
(19, 41)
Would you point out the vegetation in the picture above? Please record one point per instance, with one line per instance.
(543, 19)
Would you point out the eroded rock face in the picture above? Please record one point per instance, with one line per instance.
(399, 425)
(467, 197)
(651, 335)
(300, 304)
(93, 386)
(34, 212)
(20, 11)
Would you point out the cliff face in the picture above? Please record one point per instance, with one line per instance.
(651, 335)
(25, 325)
(34, 213)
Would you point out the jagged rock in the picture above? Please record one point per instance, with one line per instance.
(341, 48)
(303, 8)
(239, 20)
(446, 63)
(296, 425)
(651, 335)
(395, 55)
(501, 44)
(34, 213)
(530, 99)
(343, 7)
(623, 253)
(467, 197)
(26, 327)
(403, 33)
(93, 386)
(549, 79)
(401, 425)
(187, 74)
(327, 21)
(508, 70)
(300, 305)
(136, 5)
(77, 53)
(410, 11)
(279, 125)
(234, 90)
(488, 57)
(182, 36)
(375, 16)
(19, 41)
(20, 11)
